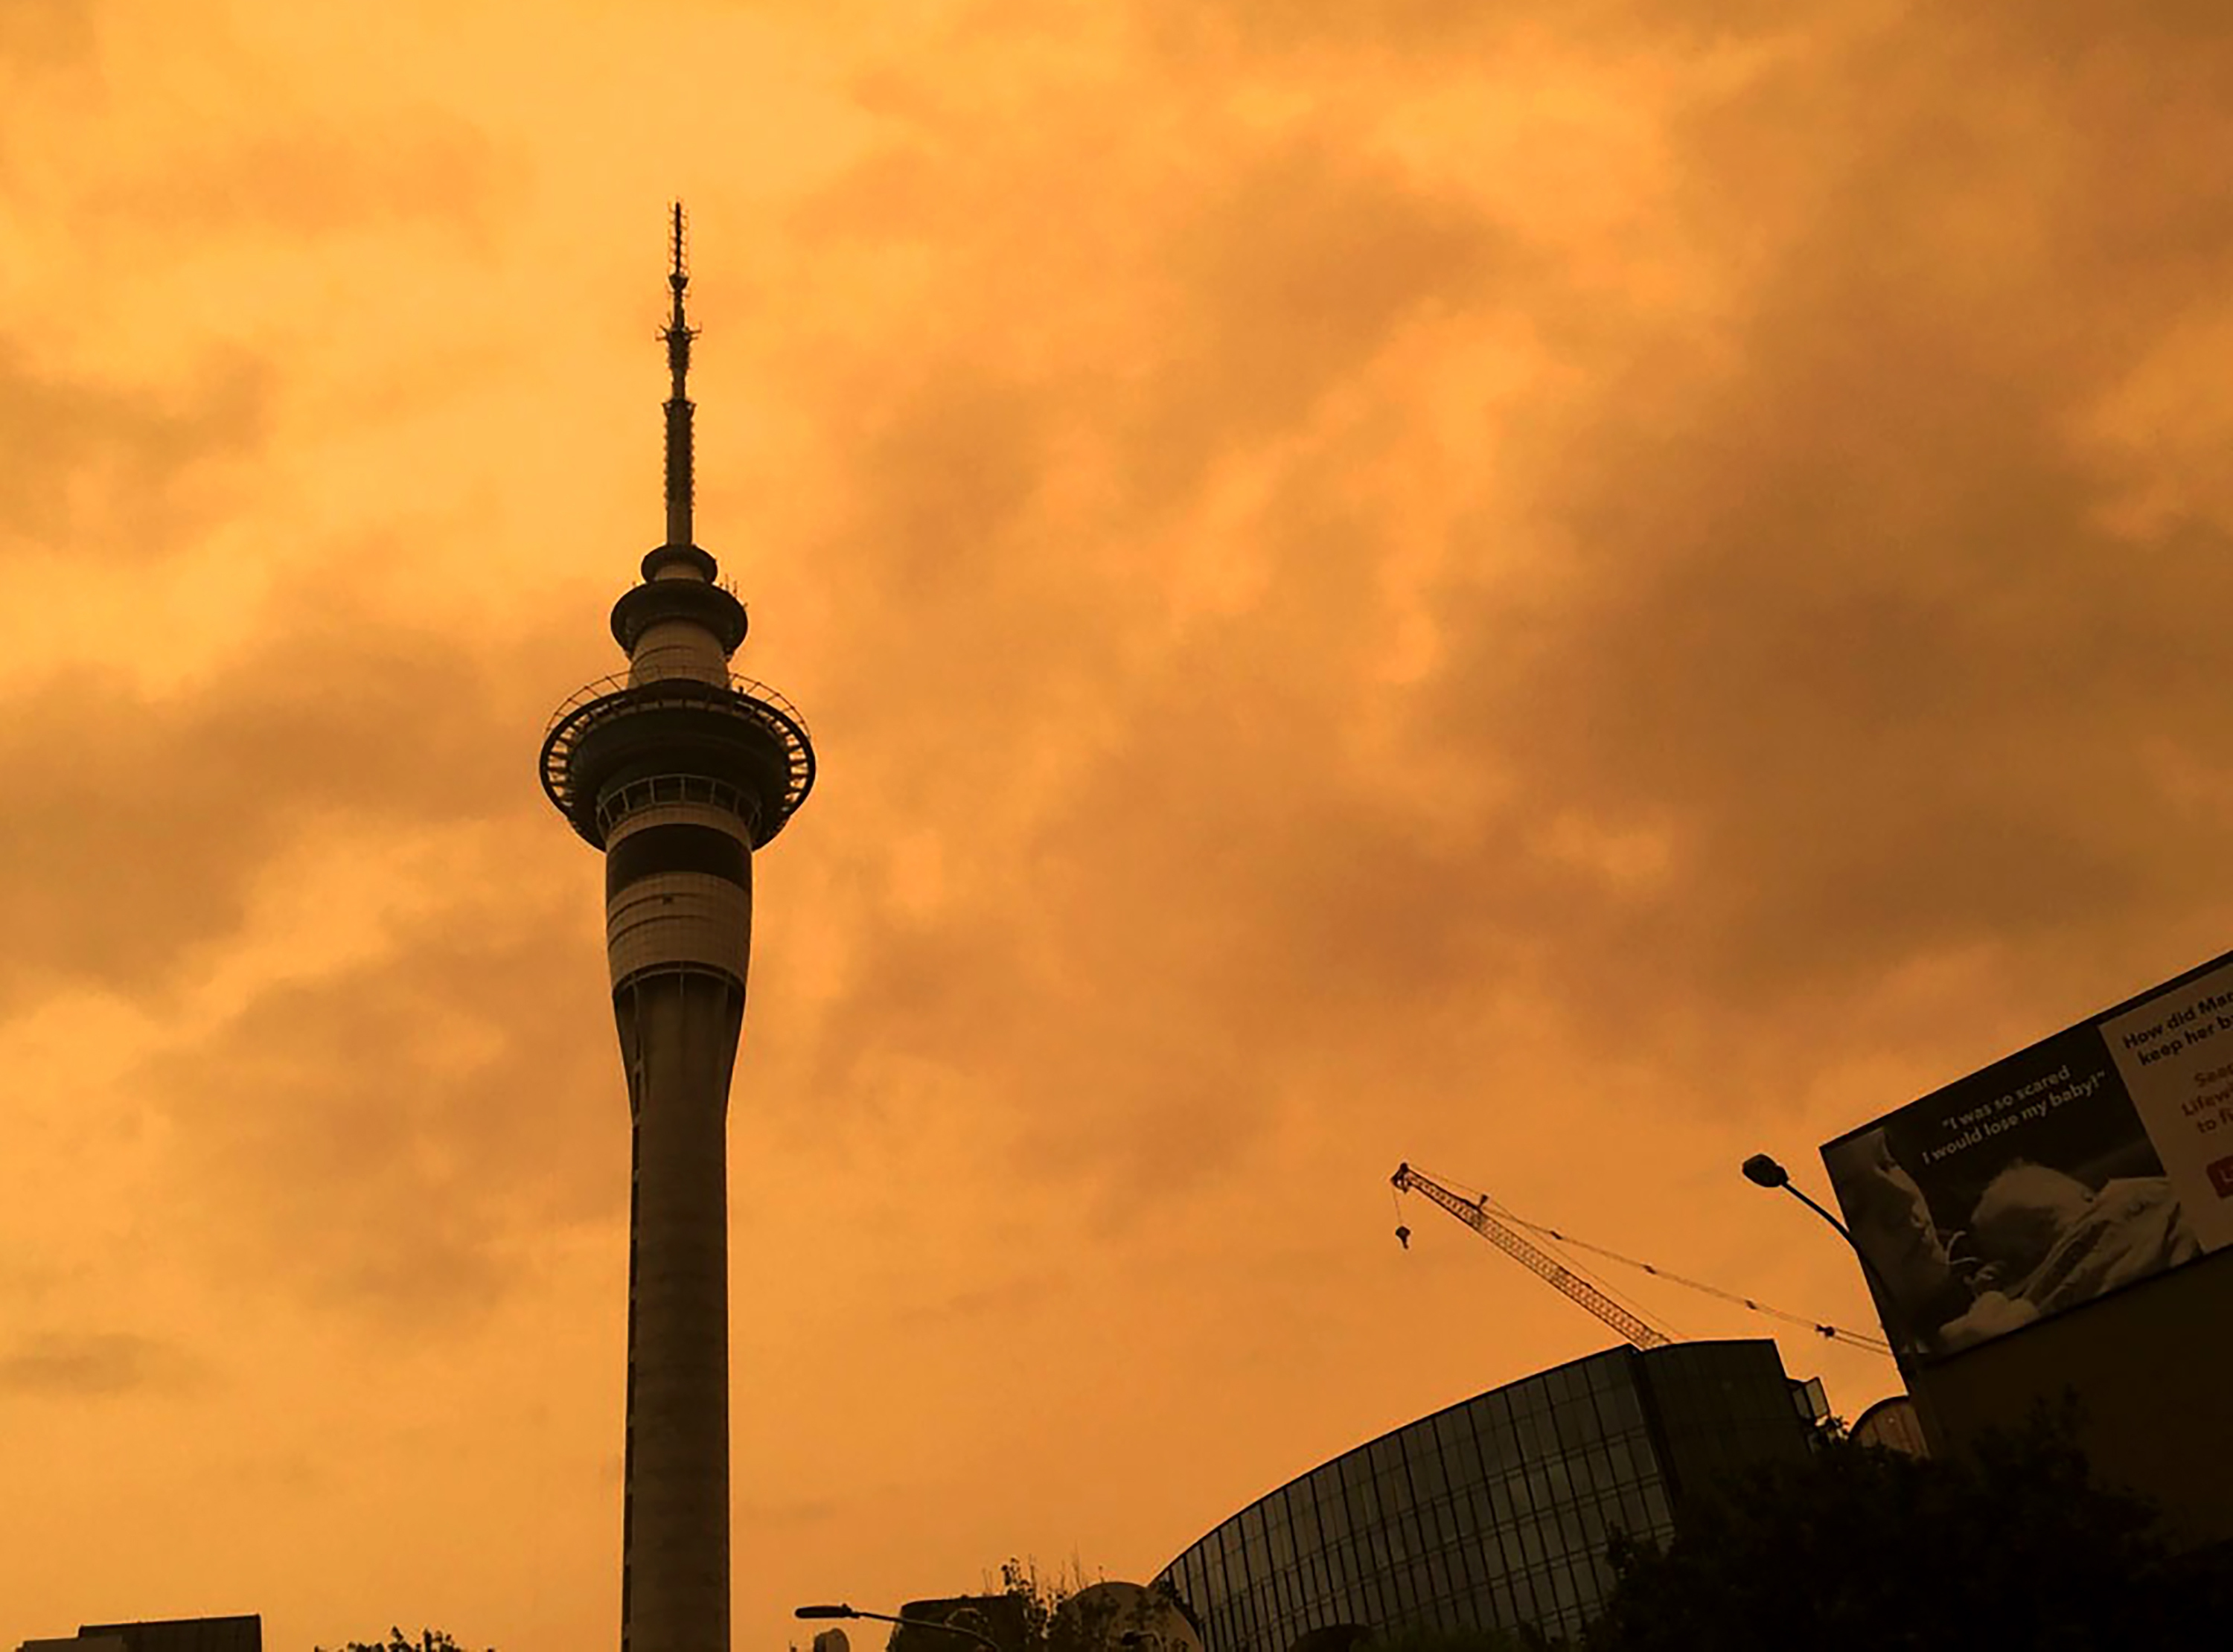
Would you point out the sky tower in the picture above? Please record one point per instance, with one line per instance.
(677, 771)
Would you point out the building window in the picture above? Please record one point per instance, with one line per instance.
(1530, 1543)
(1593, 1535)
(1553, 1540)
(1473, 1566)
(1595, 1581)
(1523, 1600)
(1477, 1513)
(1428, 1479)
(1654, 1506)
(1618, 1411)
(1562, 1586)
(1572, 1529)
(1427, 1581)
(1461, 1460)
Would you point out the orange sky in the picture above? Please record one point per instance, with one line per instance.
(1567, 599)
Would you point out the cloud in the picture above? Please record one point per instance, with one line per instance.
(115, 471)
(1844, 614)
(96, 1365)
(1288, 269)
(299, 175)
(786, 1515)
(47, 35)
(138, 822)
(375, 1121)
(1004, 1303)
(1758, 647)
(1515, 589)
(400, 1139)
(1783, 651)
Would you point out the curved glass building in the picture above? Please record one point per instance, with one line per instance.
(1495, 1512)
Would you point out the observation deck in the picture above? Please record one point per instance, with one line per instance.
(742, 738)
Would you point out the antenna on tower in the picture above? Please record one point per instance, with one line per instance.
(677, 334)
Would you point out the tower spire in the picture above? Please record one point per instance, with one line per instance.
(678, 333)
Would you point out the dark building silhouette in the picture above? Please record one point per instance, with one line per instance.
(244, 1633)
(2059, 1225)
(2133, 1361)
(999, 1618)
(1891, 1424)
(678, 773)
(1494, 1512)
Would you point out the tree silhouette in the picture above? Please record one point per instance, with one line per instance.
(2011, 1544)
(429, 1640)
(1524, 1639)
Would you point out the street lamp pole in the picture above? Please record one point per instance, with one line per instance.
(987, 1641)
(1764, 1171)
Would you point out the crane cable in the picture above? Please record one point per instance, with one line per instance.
(1834, 1333)
(1651, 1319)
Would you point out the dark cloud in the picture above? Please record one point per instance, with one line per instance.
(398, 1138)
(1845, 617)
(1321, 35)
(96, 1365)
(1318, 653)
(137, 824)
(110, 473)
(1184, 872)
(1002, 1302)
(1810, 635)
(1782, 644)
(381, 1136)
(784, 1515)
(44, 36)
(303, 175)
(1284, 272)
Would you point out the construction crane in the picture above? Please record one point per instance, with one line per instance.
(1473, 1212)
(1501, 1229)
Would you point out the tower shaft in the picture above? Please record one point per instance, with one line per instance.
(677, 1035)
(678, 937)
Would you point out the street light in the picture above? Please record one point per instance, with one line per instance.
(1762, 1171)
(887, 1618)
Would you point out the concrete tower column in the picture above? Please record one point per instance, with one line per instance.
(678, 773)
(678, 925)
(678, 1039)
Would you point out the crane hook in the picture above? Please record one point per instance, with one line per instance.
(1403, 1236)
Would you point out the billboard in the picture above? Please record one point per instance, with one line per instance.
(2096, 1159)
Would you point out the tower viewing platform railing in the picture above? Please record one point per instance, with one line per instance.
(624, 694)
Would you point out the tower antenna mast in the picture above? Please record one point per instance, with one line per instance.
(677, 334)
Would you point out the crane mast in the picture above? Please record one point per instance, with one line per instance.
(1474, 1214)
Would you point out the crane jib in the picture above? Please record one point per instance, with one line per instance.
(1503, 1230)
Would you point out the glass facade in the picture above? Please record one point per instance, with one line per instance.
(1495, 1512)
